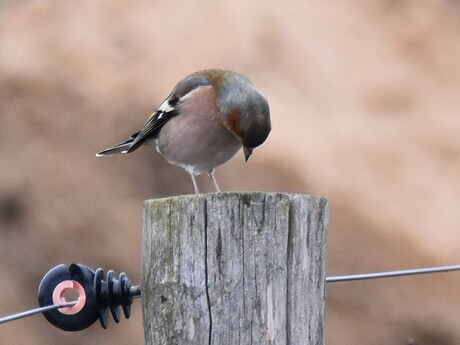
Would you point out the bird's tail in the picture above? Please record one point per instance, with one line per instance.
(118, 148)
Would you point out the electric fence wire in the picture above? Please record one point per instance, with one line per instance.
(36, 311)
(331, 279)
(391, 274)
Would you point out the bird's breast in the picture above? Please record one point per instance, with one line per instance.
(196, 139)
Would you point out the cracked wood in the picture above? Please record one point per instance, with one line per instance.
(234, 268)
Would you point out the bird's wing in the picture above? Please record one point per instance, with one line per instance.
(168, 109)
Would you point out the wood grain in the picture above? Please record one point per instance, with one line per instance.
(234, 268)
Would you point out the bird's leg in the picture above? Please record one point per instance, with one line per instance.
(195, 187)
(213, 178)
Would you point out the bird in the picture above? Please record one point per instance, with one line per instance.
(207, 118)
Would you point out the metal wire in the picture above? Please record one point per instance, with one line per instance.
(136, 291)
(36, 311)
(390, 274)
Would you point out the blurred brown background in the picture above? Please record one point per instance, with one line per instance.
(364, 98)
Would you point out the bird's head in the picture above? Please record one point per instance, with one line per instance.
(248, 118)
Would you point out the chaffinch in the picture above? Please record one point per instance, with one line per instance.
(205, 120)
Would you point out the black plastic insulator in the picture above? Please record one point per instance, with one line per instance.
(84, 276)
(102, 293)
(112, 293)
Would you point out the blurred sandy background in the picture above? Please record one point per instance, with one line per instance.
(364, 98)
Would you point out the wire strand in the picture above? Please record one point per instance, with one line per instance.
(391, 274)
(36, 311)
(332, 279)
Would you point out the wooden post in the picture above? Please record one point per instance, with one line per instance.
(234, 268)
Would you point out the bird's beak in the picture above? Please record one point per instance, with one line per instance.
(247, 152)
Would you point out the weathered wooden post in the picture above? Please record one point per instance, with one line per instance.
(234, 268)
